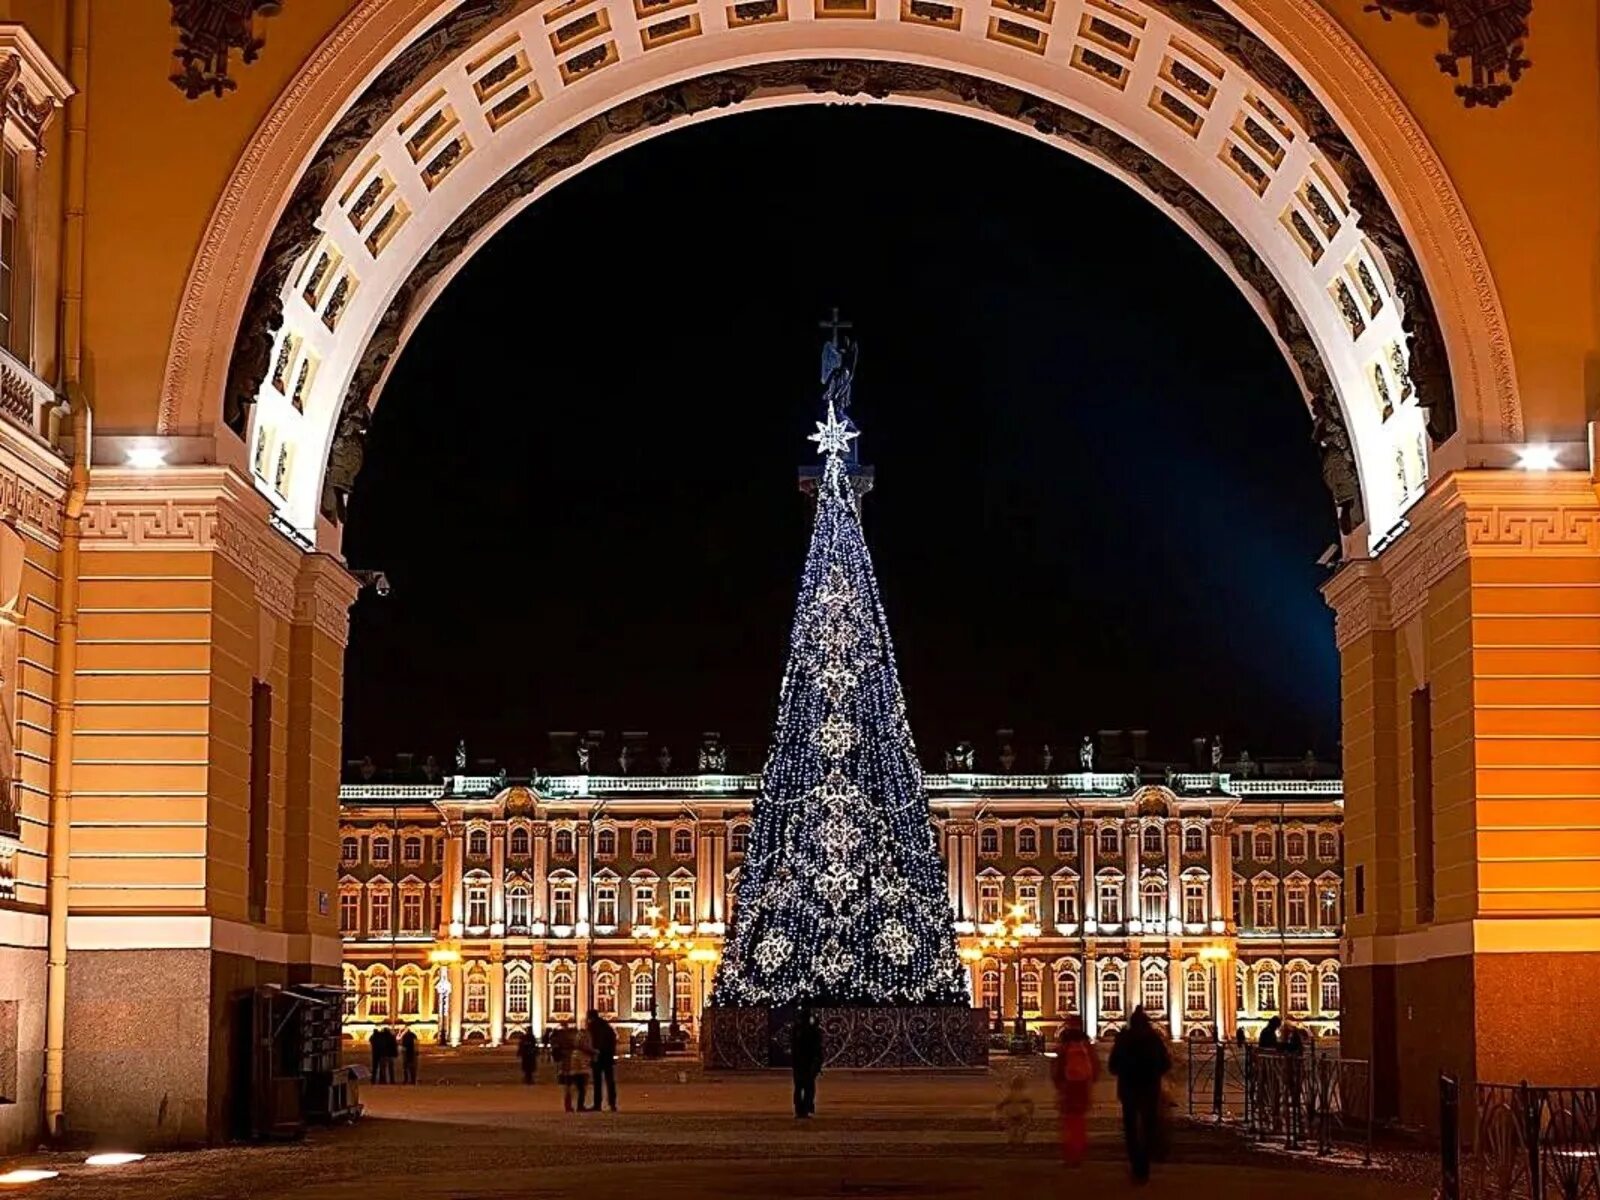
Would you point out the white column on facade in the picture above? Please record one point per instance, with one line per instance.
(583, 970)
(949, 844)
(1221, 870)
(1174, 870)
(1089, 994)
(541, 872)
(1175, 993)
(585, 837)
(497, 1001)
(458, 1002)
(454, 849)
(1130, 857)
(497, 880)
(539, 989)
(1227, 1014)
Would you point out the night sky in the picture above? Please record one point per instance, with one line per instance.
(1098, 504)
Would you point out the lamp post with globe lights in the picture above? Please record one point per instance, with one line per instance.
(670, 941)
(1014, 928)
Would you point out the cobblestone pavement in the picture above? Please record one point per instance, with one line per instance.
(471, 1132)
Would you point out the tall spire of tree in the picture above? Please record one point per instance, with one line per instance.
(842, 898)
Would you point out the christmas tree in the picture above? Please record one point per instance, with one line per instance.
(842, 898)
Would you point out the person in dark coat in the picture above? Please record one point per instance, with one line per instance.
(391, 1052)
(528, 1054)
(807, 1060)
(1139, 1060)
(604, 1064)
(1269, 1034)
(408, 1056)
(375, 1046)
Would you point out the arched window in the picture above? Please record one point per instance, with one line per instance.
(1328, 906)
(1066, 991)
(1151, 839)
(685, 995)
(1330, 989)
(561, 993)
(477, 1006)
(605, 843)
(563, 843)
(605, 993)
(1196, 993)
(1194, 899)
(1299, 992)
(1263, 845)
(1194, 840)
(1153, 993)
(739, 839)
(352, 993)
(517, 997)
(644, 842)
(1027, 840)
(1266, 989)
(411, 850)
(989, 841)
(1111, 900)
(517, 907)
(1030, 990)
(349, 850)
(378, 997)
(1110, 839)
(1327, 845)
(378, 847)
(410, 996)
(1294, 846)
(478, 904)
(682, 843)
(1110, 991)
(1153, 901)
(990, 990)
(477, 843)
(644, 994)
(519, 842)
(1066, 840)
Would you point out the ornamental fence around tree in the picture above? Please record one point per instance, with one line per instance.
(1316, 1100)
(1528, 1143)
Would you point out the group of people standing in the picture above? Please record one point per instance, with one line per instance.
(386, 1048)
(1141, 1062)
(579, 1054)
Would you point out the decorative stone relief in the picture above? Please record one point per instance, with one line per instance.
(1488, 35)
(209, 31)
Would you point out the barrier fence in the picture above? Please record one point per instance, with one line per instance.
(1312, 1100)
(1528, 1143)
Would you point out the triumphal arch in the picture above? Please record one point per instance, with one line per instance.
(220, 221)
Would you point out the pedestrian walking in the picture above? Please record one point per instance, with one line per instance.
(573, 1050)
(375, 1047)
(1014, 1112)
(408, 1056)
(1139, 1060)
(603, 1040)
(528, 1054)
(807, 1052)
(1074, 1071)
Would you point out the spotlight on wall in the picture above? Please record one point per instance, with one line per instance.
(117, 1158)
(1538, 458)
(147, 456)
(27, 1175)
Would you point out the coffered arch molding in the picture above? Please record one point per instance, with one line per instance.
(348, 90)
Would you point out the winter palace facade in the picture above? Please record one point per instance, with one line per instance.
(474, 906)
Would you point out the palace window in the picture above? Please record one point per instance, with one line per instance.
(644, 995)
(1066, 840)
(1028, 840)
(1066, 991)
(988, 901)
(410, 996)
(644, 842)
(1110, 839)
(1110, 991)
(685, 996)
(682, 904)
(478, 905)
(605, 844)
(1194, 900)
(1153, 902)
(561, 996)
(517, 997)
(562, 910)
(990, 991)
(349, 912)
(1263, 845)
(411, 850)
(1327, 845)
(1294, 846)
(1238, 990)
(378, 997)
(605, 993)
(1296, 906)
(1299, 992)
(989, 842)
(682, 843)
(1151, 839)
(564, 843)
(1066, 903)
(739, 839)
(349, 850)
(1030, 991)
(1266, 990)
(1111, 901)
(1028, 898)
(352, 994)
(1196, 994)
(1238, 904)
(518, 907)
(378, 848)
(438, 908)
(644, 899)
(519, 842)
(1328, 906)
(378, 909)
(605, 906)
(1153, 993)
(1266, 898)
(411, 910)
(1237, 839)
(477, 843)
(1194, 840)
(1330, 990)
(11, 327)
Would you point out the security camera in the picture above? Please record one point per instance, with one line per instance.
(376, 580)
(1329, 557)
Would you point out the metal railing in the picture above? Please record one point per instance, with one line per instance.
(1315, 1100)
(1528, 1143)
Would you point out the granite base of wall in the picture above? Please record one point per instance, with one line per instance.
(22, 1015)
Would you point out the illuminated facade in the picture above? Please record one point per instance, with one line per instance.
(498, 904)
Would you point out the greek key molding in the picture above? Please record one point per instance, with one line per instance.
(323, 594)
(1561, 529)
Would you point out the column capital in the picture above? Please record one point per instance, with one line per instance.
(323, 594)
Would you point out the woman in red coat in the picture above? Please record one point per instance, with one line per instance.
(1074, 1071)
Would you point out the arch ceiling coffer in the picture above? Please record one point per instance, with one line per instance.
(1175, 96)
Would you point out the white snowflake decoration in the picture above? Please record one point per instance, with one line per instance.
(834, 962)
(895, 943)
(837, 835)
(836, 885)
(836, 736)
(774, 951)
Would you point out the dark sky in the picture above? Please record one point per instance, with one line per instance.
(1098, 505)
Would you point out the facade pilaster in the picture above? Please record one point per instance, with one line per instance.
(1221, 871)
(539, 999)
(1088, 889)
(497, 996)
(540, 899)
(449, 883)
(584, 842)
(1130, 867)
(1175, 993)
(1089, 1000)
(497, 879)
(1174, 832)
(458, 1002)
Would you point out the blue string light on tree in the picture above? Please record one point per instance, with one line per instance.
(842, 899)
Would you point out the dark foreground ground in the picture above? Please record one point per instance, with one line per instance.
(471, 1131)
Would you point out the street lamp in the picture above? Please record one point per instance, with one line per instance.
(441, 960)
(1214, 956)
(703, 957)
(669, 940)
(1009, 933)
